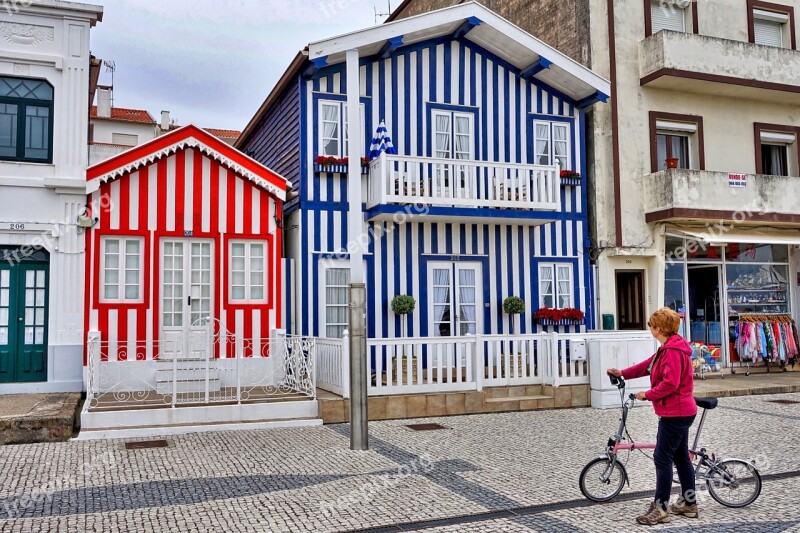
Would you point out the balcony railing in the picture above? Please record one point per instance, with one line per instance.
(396, 179)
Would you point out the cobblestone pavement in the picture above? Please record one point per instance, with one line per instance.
(305, 479)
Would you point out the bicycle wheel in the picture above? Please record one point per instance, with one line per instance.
(734, 483)
(601, 480)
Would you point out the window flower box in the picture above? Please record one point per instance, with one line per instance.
(570, 178)
(559, 317)
(337, 165)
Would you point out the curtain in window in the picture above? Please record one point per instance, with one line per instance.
(442, 136)
(546, 286)
(462, 137)
(330, 129)
(466, 299)
(774, 160)
(560, 144)
(336, 300)
(564, 282)
(542, 144)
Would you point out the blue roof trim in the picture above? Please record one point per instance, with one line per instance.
(535, 68)
(316, 64)
(468, 25)
(389, 47)
(591, 99)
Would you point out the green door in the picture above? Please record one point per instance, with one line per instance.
(23, 322)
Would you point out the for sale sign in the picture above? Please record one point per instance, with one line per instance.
(737, 181)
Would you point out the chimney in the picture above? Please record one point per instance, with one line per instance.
(165, 120)
(104, 103)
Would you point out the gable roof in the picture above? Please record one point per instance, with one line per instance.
(188, 137)
(223, 134)
(483, 27)
(128, 115)
(469, 20)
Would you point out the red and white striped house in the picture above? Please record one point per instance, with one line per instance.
(187, 228)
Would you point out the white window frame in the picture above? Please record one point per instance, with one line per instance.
(773, 18)
(677, 7)
(326, 265)
(452, 116)
(248, 285)
(122, 268)
(343, 132)
(554, 269)
(551, 156)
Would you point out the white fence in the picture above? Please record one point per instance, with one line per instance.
(219, 368)
(447, 364)
(461, 182)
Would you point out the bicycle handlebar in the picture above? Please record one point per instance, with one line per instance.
(618, 382)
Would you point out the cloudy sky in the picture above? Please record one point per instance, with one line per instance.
(212, 62)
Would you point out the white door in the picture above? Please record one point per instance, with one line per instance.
(454, 298)
(186, 298)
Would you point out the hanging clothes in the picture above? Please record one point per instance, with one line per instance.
(767, 338)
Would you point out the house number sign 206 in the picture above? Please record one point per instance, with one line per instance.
(16, 226)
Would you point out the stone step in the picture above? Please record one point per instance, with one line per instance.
(514, 391)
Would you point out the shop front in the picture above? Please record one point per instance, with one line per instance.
(735, 297)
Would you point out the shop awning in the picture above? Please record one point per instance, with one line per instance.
(717, 236)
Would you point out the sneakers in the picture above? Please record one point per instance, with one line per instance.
(680, 507)
(654, 515)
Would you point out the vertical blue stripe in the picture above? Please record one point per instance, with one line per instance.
(487, 317)
(462, 245)
(432, 73)
(509, 263)
(384, 311)
(518, 120)
(305, 259)
(434, 238)
(496, 111)
(462, 81)
(395, 96)
(398, 271)
(329, 83)
(539, 98)
(549, 103)
(406, 147)
(448, 239)
(507, 115)
(381, 90)
(474, 238)
(473, 79)
(417, 262)
(411, 265)
(498, 265)
(484, 140)
(523, 281)
(560, 106)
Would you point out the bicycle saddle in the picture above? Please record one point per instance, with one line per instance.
(706, 403)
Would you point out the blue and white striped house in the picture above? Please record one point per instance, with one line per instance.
(471, 210)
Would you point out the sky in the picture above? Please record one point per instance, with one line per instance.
(213, 62)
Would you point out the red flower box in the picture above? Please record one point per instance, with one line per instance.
(559, 317)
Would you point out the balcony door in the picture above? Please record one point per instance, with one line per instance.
(454, 138)
(454, 298)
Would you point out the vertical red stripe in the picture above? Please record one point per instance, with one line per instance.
(123, 203)
(247, 208)
(143, 214)
(197, 191)
(180, 189)
(122, 335)
(102, 326)
(264, 201)
(231, 207)
(215, 204)
(155, 255)
(161, 184)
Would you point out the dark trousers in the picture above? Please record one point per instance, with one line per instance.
(672, 446)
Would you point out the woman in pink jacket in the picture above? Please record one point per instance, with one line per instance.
(672, 394)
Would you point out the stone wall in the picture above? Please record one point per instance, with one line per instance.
(563, 24)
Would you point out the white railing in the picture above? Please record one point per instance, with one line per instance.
(333, 365)
(515, 359)
(221, 368)
(396, 179)
(412, 365)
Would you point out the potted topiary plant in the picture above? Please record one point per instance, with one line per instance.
(513, 305)
(403, 305)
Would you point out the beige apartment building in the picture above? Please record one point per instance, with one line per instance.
(695, 165)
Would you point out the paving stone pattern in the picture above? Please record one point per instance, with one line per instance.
(306, 479)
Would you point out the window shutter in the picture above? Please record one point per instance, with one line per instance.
(667, 17)
(769, 33)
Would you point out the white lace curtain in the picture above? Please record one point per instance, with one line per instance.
(330, 130)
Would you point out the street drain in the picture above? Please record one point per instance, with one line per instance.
(784, 402)
(425, 427)
(144, 444)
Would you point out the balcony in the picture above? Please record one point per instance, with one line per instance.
(474, 188)
(696, 63)
(685, 195)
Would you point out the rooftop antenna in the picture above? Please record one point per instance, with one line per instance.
(111, 66)
(388, 11)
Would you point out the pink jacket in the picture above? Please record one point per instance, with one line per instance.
(671, 380)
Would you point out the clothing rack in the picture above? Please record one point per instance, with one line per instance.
(767, 337)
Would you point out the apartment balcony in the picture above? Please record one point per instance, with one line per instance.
(447, 188)
(699, 195)
(709, 65)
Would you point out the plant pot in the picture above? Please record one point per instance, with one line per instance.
(672, 162)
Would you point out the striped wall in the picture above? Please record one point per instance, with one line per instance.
(184, 196)
(402, 89)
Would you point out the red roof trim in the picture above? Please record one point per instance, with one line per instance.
(176, 136)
